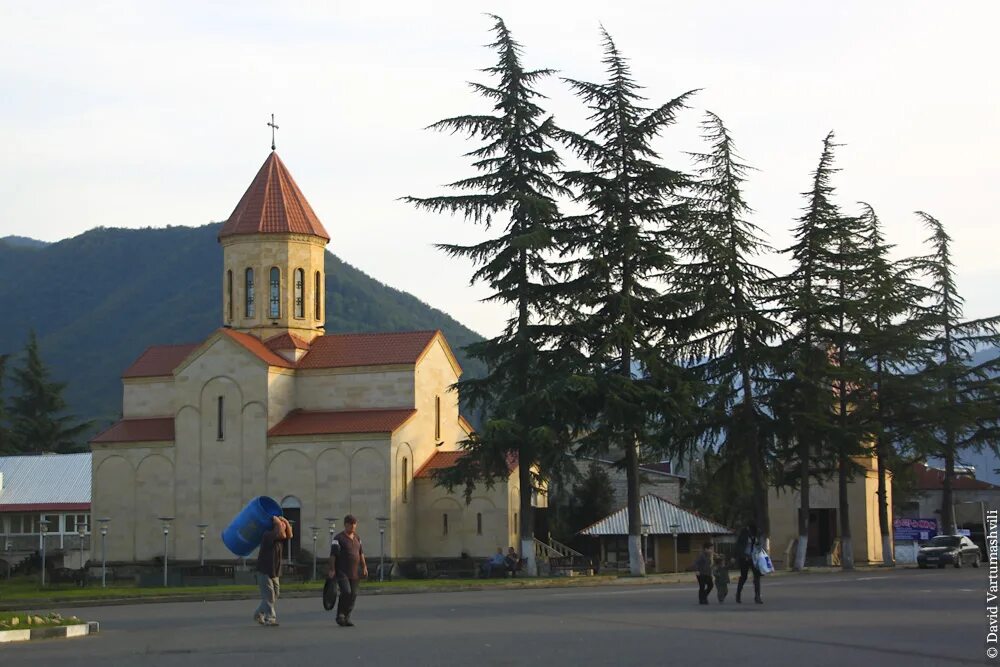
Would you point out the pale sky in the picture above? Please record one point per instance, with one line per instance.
(148, 114)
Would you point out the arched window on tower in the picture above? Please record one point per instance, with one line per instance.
(406, 480)
(300, 288)
(229, 296)
(274, 302)
(318, 296)
(249, 292)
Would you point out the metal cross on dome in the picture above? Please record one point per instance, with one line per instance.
(273, 128)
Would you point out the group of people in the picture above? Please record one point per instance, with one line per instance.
(710, 567)
(500, 564)
(347, 566)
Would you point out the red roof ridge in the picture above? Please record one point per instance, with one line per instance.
(319, 422)
(256, 347)
(295, 341)
(141, 429)
(158, 359)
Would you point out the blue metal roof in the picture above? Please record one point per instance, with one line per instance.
(44, 479)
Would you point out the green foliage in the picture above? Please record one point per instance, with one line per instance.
(6, 439)
(524, 389)
(618, 251)
(100, 299)
(38, 424)
(592, 499)
(723, 298)
(720, 487)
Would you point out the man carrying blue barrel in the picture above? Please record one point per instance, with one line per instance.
(269, 568)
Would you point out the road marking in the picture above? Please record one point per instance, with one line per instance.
(871, 578)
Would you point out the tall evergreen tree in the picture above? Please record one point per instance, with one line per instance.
(961, 399)
(802, 398)
(37, 423)
(520, 392)
(725, 299)
(891, 336)
(617, 250)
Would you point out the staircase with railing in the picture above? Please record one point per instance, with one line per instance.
(555, 558)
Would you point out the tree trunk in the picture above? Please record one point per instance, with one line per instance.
(883, 505)
(800, 553)
(751, 431)
(846, 546)
(947, 502)
(636, 559)
(527, 519)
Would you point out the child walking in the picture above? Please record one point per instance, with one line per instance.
(721, 576)
(703, 569)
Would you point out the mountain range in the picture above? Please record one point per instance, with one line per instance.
(98, 300)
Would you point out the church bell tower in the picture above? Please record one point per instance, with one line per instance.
(273, 247)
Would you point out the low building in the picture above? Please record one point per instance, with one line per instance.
(673, 535)
(45, 498)
(823, 547)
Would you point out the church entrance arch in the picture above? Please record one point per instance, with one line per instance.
(291, 508)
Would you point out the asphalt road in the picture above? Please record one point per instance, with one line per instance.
(914, 618)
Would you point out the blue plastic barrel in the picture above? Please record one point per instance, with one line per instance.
(244, 533)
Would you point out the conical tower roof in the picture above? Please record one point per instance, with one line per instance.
(273, 204)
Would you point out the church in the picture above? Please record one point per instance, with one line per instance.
(269, 404)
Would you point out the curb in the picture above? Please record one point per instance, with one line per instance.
(373, 589)
(52, 632)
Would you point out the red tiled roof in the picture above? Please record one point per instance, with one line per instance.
(444, 460)
(138, 430)
(258, 348)
(286, 341)
(273, 204)
(931, 479)
(301, 422)
(159, 360)
(44, 507)
(366, 349)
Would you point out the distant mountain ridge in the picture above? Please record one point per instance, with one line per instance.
(23, 242)
(98, 300)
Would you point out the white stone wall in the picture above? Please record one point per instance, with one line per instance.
(148, 397)
(352, 389)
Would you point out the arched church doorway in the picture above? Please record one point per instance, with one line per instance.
(291, 508)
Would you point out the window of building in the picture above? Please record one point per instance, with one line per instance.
(72, 523)
(23, 524)
(229, 296)
(249, 311)
(220, 431)
(274, 302)
(517, 526)
(616, 549)
(300, 287)
(318, 295)
(406, 475)
(444, 523)
(479, 523)
(437, 417)
(683, 544)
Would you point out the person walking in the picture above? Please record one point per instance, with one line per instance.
(269, 569)
(721, 574)
(747, 544)
(347, 566)
(703, 569)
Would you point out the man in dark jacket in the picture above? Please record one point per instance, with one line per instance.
(269, 569)
(747, 544)
(703, 568)
(347, 565)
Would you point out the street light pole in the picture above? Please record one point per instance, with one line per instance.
(104, 551)
(82, 533)
(645, 542)
(673, 531)
(43, 528)
(166, 535)
(315, 532)
(381, 538)
(201, 543)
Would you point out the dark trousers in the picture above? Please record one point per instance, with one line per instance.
(348, 594)
(746, 566)
(704, 587)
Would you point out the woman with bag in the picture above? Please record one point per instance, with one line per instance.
(747, 546)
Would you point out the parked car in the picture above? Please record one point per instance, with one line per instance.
(956, 550)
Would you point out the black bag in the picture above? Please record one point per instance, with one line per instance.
(330, 591)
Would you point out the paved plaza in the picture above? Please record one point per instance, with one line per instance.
(915, 618)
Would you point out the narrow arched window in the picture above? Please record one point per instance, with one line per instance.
(437, 417)
(220, 430)
(406, 475)
(300, 288)
(274, 302)
(479, 523)
(318, 296)
(444, 524)
(229, 296)
(249, 293)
